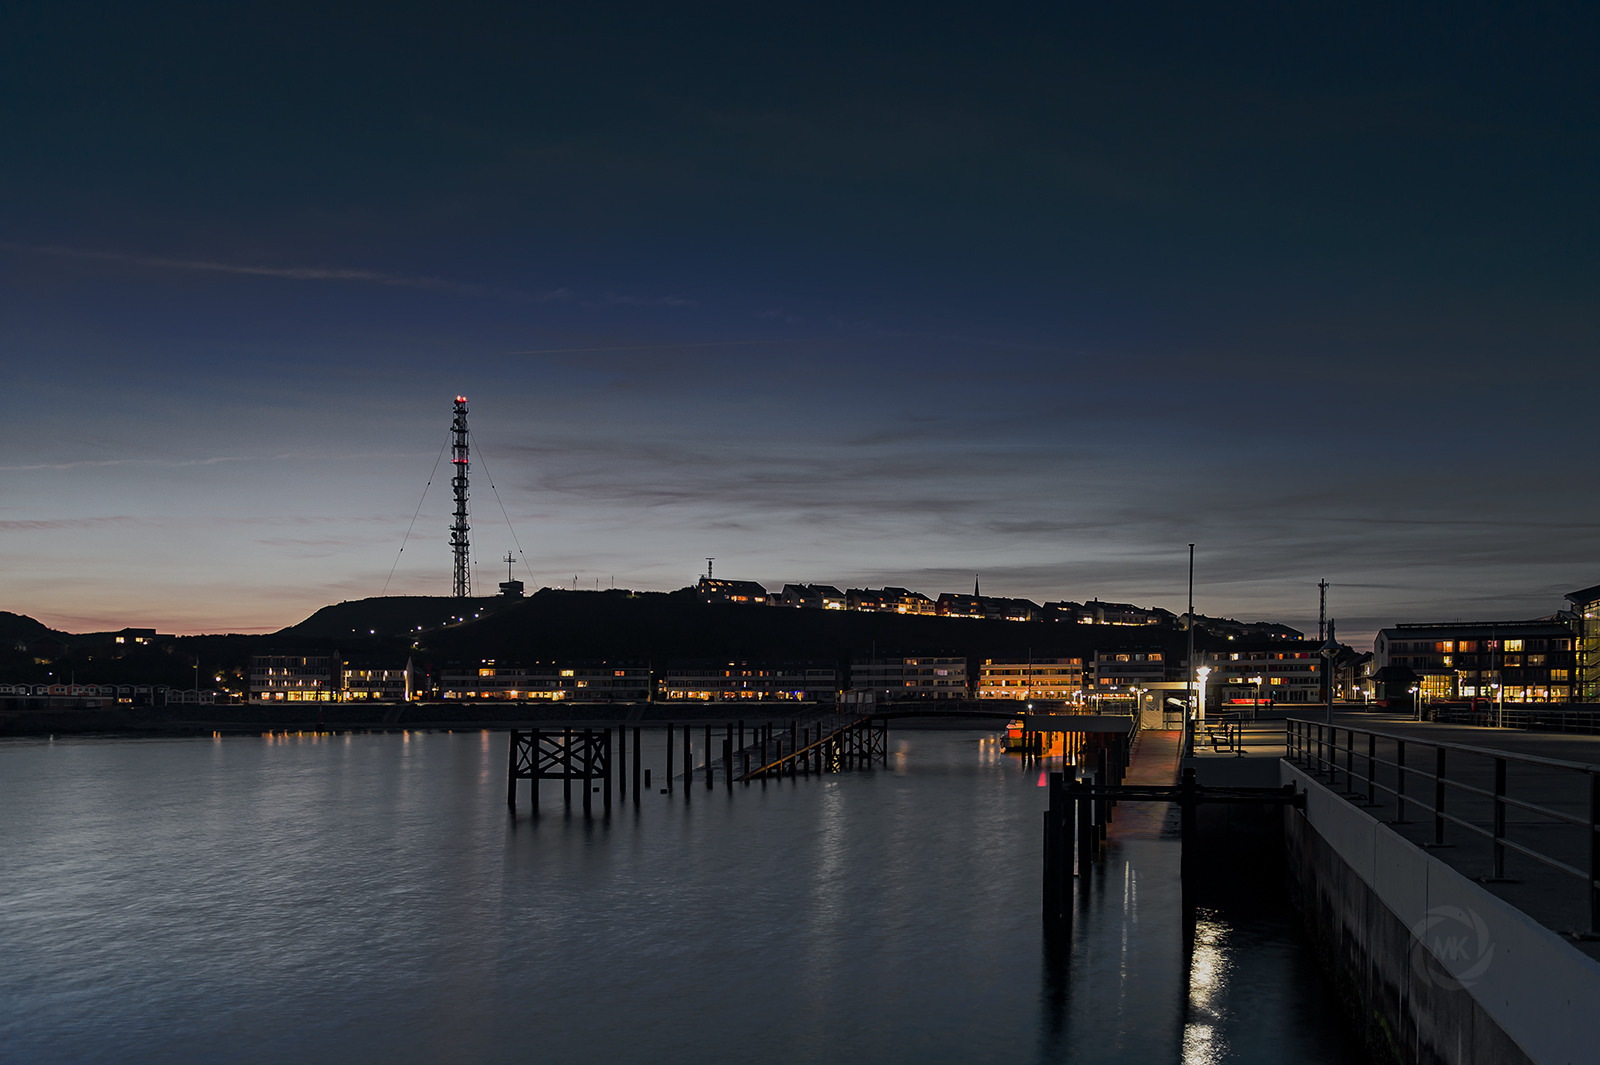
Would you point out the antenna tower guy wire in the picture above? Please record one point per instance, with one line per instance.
(515, 539)
(437, 459)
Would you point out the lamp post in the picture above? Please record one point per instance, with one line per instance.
(1416, 700)
(1200, 716)
(1328, 651)
(1256, 709)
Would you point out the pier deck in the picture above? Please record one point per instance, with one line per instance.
(1548, 896)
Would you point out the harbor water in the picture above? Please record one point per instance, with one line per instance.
(367, 897)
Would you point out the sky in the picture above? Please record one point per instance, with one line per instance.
(851, 294)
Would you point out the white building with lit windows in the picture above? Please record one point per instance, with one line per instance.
(1510, 661)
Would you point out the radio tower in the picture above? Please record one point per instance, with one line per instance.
(462, 587)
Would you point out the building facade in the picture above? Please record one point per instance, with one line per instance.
(296, 676)
(1031, 678)
(1586, 632)
(1284, 677)
(742, 682)
(912, 677)
(1511, 661)
(602, 682)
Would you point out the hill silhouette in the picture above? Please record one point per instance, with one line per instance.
(662, 626)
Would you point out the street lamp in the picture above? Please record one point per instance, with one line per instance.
(1416, 700)
(1203, 672)
(1256, 709)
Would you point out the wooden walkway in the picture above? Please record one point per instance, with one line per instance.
(1154, 763)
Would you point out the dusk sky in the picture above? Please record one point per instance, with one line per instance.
(856, 295)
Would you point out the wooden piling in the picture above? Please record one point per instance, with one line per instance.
(707, 756)
(1086, 837)
(727, 762)
(688, 764)
(566, 768)
(511, 772)
(636, 756)
(588, 771)
(669, 755)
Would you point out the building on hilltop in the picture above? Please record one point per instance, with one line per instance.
(913, 677)
(1247, 630)
(889, 600)
(954, 605)
(1096, 612)
(748, 593)
(813, 597)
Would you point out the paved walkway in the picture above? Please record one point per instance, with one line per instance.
(1554, 899)
(1154, 761)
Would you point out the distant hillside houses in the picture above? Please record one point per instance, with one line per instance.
(893, 600)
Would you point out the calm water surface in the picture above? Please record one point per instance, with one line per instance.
(367, 898)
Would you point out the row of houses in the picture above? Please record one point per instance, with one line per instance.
(894, 600)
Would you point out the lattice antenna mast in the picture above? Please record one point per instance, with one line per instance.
(460, 456)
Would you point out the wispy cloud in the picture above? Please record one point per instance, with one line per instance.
(172, 463)
(50, 524)
(653, 347)
(352, 275)
(295, 273)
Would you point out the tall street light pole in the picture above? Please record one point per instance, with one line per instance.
(1188, 706)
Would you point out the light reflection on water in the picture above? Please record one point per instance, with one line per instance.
(366, 897)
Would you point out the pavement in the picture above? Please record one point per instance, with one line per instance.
(1556, 899)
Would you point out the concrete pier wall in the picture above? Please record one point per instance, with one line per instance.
(1439, 970)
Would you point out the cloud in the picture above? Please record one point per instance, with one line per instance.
(560, 294)
(611, 299)
(140, 462)
(295, 273)
(47, 524)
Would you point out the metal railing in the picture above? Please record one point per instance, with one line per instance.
(1529, 717)
(1553, 805)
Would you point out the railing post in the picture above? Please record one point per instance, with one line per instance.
(1400, 782)
(1372, 769)
(1438, 797)
(1499, 818)
(1350, 759)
